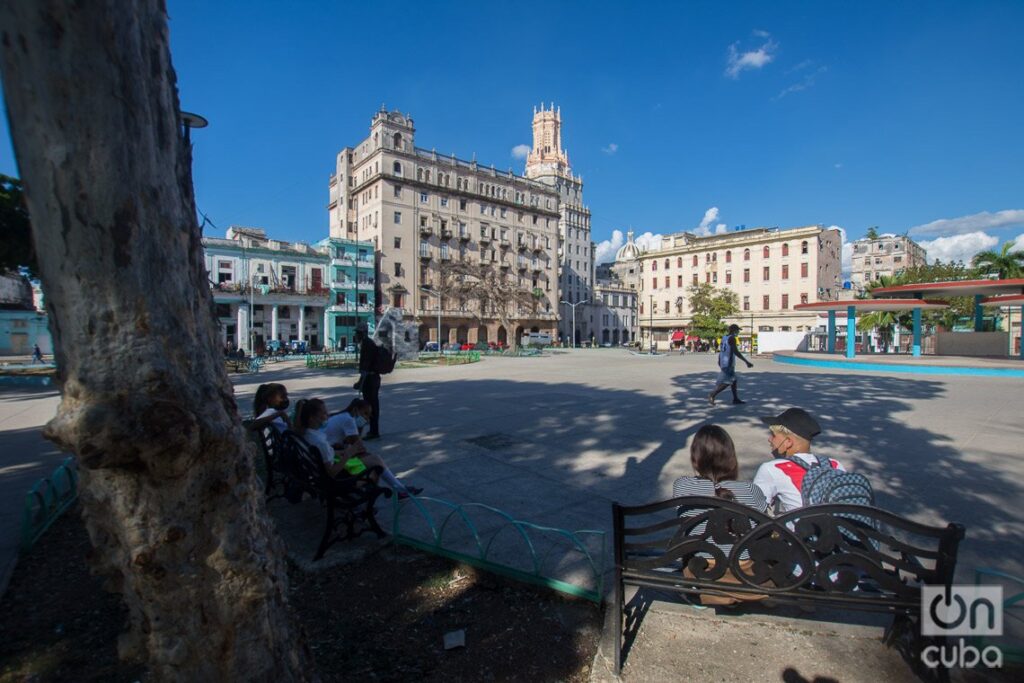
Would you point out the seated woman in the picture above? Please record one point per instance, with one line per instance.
(339, 442)
(713, 457)
(270, 406)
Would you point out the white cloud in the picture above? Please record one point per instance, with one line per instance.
(710, 217)
(958, 247)
(803, 84)
(612, 148)
(970, 224)
(1018, 243)
(605, 251)
(520, 151)
(648, 241)
(837, 165)
(751, 59)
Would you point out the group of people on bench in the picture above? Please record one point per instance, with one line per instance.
(337, 438)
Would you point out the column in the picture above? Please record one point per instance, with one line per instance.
(273, 322)
(1021, 332)
(302, 323)
(916, 348)
(979, 313)
(831, 332)
(329, 342)
(851, 331)
(242, 333)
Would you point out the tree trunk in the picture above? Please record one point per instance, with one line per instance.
(168, 489)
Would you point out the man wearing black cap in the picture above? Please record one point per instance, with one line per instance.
(789, 435)
(369, 378)
(727, 366)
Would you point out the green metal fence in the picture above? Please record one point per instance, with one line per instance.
(45, 502)
(481, 552)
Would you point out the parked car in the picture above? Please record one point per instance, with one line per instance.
(466, 347)
(351, 348)
(430, 347)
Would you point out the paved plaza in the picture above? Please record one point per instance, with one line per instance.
(556, 439)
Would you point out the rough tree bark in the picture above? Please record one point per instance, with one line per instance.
(168, 489)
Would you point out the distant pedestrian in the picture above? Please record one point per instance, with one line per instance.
(727, 366)
(37, 355)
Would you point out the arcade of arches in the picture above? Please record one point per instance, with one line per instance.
(474, 333)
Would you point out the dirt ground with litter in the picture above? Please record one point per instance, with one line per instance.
(383, 618)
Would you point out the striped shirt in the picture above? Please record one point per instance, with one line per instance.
(744, 491)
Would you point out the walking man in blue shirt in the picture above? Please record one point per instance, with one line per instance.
(727, 355)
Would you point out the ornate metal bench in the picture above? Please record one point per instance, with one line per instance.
(294, 470)
(843, 556)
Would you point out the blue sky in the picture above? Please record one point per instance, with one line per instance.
(679, 115)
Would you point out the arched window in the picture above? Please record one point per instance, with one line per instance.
(746, 254)
(397, 141)
(766, 252)
(666, 264)
(419, 174)
(728, 257)
(397, 168)
(694, 259)
(679, 262)
(785, 248)
(654, 265)
(803, 247)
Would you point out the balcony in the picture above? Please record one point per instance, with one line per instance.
(425, 254)
(537, 248)
(521, 246)
(464, 236)
(485, 239)
(504, 265)
(343, 261)
(343, 284)
(365, 285)
(365, 262)
(446, 256)
(426, 230)
(522, 265)
(536, 268)
(446, 233)
(505, 244)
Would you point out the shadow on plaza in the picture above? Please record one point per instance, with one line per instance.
(915, 472)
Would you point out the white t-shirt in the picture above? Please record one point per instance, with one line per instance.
(278, 422)
(339, 426)
(783, 479)
(317, 439)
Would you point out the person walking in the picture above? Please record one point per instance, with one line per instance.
(369, 378)
(727, 366)
(37, 355)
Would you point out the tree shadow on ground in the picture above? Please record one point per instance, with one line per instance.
(916, 473)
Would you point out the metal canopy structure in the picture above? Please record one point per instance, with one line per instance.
(1009, 301)
(868, 305)
(979, 289)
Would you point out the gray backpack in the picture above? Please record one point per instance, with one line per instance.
(824, 484)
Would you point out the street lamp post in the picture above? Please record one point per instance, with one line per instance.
(652, 324)
(573, 331)
(432, 292)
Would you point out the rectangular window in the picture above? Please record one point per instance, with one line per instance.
(785, 272)
(746, 274)
(746, 303)
(803, 298)
(423, 197)
(707, 278)
(398, 217)
(462, 205)
(767, 273)
(679, 281)
(803, 270)
(444, 201)
(398, 269)
(728, 277)
(398, 243)
(654, 283)
(765, 302)
(785, 301)
(695, 280)
(398, 190)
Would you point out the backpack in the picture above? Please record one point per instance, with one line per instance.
(384, 361)
(824, 484)
(725, 353)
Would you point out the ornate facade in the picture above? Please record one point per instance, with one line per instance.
(424, 211)
(885, 255)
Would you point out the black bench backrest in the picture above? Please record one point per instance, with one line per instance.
(301, 463)
(823, 550)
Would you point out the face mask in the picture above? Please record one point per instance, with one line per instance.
(283, 405)
(360, 422)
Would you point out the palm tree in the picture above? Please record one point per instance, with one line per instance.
(1004, 264)
(885, 321)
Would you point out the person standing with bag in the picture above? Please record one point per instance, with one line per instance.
(369, 378)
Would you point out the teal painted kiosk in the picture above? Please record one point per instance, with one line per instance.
(856, 306)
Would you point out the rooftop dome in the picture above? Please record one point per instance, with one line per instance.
(628, 251)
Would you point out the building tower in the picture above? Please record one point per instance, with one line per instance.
(549, 163)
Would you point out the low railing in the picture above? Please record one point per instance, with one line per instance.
(587, 547)
(47, 500)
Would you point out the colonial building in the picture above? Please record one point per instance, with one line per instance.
(886, 255)
(423, 210)
(266, 289)
(769, 269)
(615, 308)
(619, 282)
(351, 280)
(549, 164)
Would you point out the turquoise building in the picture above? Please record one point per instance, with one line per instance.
(352, 284)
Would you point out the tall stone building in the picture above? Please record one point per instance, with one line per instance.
(883, 255)
(548, 163)
(425, 211)
(770, 269)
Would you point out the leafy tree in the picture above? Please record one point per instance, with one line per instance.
(884, 321)
(1004, 264)
(872, 233)
(16, 246)
(168, 490)
(951, 271)
(708, 307)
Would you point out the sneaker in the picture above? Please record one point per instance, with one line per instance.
(711, 400)
(371, 437)
(737, 402)
(409, 491)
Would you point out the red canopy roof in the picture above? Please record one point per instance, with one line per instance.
(872, 305)
(678, 335)
(955, 288)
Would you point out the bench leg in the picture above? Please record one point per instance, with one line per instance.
(325, 542)
(270, 476)
(620, 621)
(370, 516)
